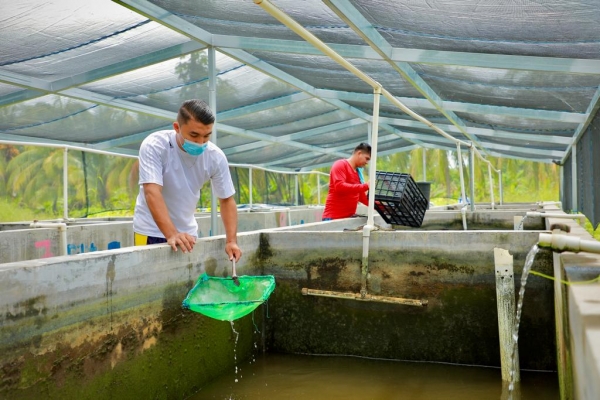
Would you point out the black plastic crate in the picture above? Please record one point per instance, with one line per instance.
(399, 200)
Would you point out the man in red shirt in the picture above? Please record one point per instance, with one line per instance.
(346, 185)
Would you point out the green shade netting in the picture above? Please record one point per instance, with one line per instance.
(222, 299)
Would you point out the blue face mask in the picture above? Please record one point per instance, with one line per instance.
(193, 149)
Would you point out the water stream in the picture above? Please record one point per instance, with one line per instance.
(237, 336)
(515, 334)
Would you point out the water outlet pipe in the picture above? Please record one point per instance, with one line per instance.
(463, 212)
(561, 242)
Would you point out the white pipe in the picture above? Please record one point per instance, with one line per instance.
(250, 183)
(212, 103)
(491, 184)
(581, 217)
(463, 211)
(424, 164)
(278, 171)
(66, 184)
(561, 242)
(318, 190)
(371, 202)
(574, 200)
(373, 167)
(472, 177)
(312, 39)
(500, 188)
(462, 176)
(296, 188)
(62, 228)
(549, 203)
(66, 146)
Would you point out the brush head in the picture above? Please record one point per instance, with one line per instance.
(236, 281)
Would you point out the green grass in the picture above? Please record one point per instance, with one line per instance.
(12, 212)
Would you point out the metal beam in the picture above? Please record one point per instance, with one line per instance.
(421, 56)
(297, 135)
(527, 113)
(348, 13)
(482, 131)
(129, 139)
(19, 96)
(93, 75)
(267, 138)
(160, 113)
(262, 106)
(171, 21)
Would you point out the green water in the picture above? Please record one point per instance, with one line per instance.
(277, 376)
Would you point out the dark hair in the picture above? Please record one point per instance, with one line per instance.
(364, 147)
(197, 110)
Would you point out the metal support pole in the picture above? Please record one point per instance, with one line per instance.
(318, 189)
(472, 177)
(505, 296)
(574, 205)
(500, 188)
(250, 185)
(424, 164)
(491, 184)
(66, 184)
(462, 175)
(212, 103)
(296, 188)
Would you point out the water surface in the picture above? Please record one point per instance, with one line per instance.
(278, 376)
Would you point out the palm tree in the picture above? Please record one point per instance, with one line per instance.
(35, 176)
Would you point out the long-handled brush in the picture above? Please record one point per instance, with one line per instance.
(234, 274)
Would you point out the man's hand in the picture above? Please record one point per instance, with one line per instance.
(233, 251)
(183, 240)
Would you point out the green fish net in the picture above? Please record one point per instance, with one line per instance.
(222, 299)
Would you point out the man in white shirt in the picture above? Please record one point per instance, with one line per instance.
(174, 165)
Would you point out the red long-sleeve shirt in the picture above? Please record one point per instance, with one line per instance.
(345, 191)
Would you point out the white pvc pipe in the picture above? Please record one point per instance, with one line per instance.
(372, 169)
(581, 217)
(463, 211)
(424, 164)
(561, 242)
(491, 184)
(574, 200)
(296, 188)
(370, 225)
(500, 188)
(62, 228)
(66, 184)
(462, 177)
(549, 203)
(318, 190)
(212, 103)
(312, 39)
(250, 183)
(472, 176)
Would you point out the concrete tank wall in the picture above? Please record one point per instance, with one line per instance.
(453, 271)
(22, 243)
(109, 324)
